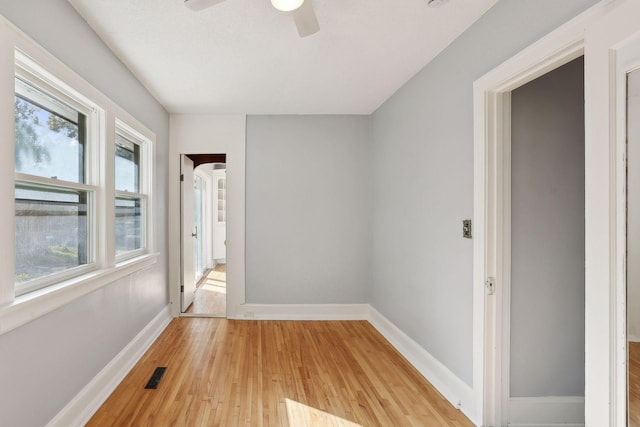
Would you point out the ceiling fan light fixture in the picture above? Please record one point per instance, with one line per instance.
(287, 5)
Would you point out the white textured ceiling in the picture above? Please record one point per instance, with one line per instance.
(243, 56)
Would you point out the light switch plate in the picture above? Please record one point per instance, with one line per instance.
(466, 228)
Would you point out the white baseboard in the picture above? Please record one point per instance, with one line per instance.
(633, 338)
(554, 411)
(446, 382)
(302, 312)
(82, 407)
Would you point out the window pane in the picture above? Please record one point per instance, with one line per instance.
(49, 140)
(52, 231)
(127, 165)
(128, 224)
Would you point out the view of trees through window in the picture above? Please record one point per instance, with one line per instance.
(51, 226)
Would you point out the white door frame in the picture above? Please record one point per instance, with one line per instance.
(197, 134)
(612, 48)
(492, 180)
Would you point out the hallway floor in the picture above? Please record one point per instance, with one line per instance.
(210, 298)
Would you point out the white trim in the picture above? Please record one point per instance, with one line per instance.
(146, 144)
(627, 56)
(554, 411)
(607, 45)
(55, 183)
(19, 50)
(456, 391)
(82, 407)
(28, 307)
(302, 312)
(46, 85)
(210, 134)
(201, 315)
(558, 47)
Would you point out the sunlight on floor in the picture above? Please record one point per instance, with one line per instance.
(301, 415)
(214, 287)
(210, 297)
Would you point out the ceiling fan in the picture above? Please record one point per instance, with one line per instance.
(303, 14)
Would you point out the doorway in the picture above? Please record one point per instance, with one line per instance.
(203, 235)
(544, 251)
(531, 184)
(610, 36)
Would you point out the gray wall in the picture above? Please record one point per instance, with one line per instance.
(46, 362)
(423, 138)
(318, 228)
(547, 234)
(308, 203)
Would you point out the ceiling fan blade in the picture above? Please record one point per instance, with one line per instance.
(197, 5)
(305, 19)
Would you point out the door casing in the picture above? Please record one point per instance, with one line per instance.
(612, 48)
(492, 180)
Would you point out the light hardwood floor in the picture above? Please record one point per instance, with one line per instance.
(275, 373)
(211, 296)
(634, 384)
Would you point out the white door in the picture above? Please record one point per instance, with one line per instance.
(188, 234)
(612, 51)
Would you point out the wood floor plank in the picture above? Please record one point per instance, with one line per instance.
(634, 384)
(275, 373)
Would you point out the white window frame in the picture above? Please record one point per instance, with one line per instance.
(19, 53)
(33, 75)
(144, 186)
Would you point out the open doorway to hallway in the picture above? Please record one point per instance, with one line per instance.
(203, 244)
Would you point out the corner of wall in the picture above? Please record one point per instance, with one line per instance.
(456, 391)
(82, 407)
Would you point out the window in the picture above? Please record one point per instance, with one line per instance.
(54, 195)
(80, 185)
(79, 216)
(131, 189)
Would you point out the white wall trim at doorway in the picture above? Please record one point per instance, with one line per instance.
(551, 411)
(491, 195)
(612, 49)
(215, 134)
(302, 312)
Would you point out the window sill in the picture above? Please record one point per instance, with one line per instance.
(28, 307)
